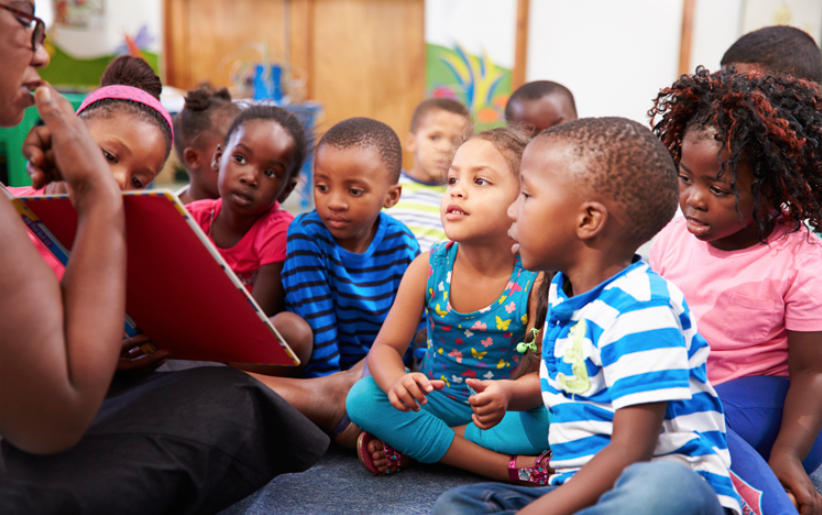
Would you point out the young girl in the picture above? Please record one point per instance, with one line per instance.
(200, 127)
(478, 298)
(749, 151)
(258, 164)
(131, 127)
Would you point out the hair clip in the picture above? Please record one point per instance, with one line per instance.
(523, 347)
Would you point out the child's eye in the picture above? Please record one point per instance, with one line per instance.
(356, 192)
(272, 173)
(239, 158)
(321, 188)
(718, 192)
(137, 182)
(452, 181)
(684, 178)
(109, 156)
(435, 138)
(525, 196)
(481, 181)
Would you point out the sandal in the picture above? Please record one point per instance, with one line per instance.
(536, 475)
(367, 461)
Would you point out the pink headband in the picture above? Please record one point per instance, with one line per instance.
(128, 93)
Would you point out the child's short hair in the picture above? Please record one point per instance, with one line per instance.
(369, 134)
(536, 90)
(773, 123)
(624, 162)
(195, 118)
(781, 50)
(438, 104)
(284, 119)
(135, 72)
(509, 142)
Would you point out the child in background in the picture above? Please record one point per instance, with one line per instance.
(257, 168)
(200, 127)
(131, 127)
(779, 50)
(438, 126)
(345, 259)
(750, 176)
(623, 368)
(539, 105)
(480, 304)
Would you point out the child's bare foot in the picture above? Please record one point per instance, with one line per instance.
(370, 446)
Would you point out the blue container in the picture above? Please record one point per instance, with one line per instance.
(268, 87)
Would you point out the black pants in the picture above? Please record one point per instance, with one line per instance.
(194, 441)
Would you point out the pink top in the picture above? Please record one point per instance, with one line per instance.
(262, 245)
(746, 300)
(48, 257)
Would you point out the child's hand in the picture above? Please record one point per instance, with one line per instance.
(411, 389)
(489, 404)
(792, 475)
(140, 355)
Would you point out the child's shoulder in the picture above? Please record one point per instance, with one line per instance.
(309, 224)
(640, 288)
(201, 209)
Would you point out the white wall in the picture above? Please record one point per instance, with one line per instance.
(717, 25)
(614, 56)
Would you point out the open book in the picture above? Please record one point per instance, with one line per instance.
(179, 290)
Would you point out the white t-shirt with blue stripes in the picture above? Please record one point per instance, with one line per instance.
(631, 340)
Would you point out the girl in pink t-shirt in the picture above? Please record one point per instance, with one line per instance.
(749, 151)
(258, 166)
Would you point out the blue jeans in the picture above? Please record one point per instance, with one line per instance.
(753, 414)
(426, 435)
(643, 488)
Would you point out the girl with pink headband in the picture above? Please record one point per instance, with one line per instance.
(130, 125)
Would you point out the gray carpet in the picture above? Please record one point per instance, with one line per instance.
(339, 484)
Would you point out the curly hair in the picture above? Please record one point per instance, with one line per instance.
(509, 142)
(201, 105)
(771, 123)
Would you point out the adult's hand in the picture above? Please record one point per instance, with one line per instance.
(63, 149)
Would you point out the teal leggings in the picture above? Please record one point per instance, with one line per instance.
(426, 435)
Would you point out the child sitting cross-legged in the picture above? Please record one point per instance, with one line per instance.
(636, 427)
(480, 304)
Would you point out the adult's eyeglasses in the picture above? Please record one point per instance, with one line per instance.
(31, 22)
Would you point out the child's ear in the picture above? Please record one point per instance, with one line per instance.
(392, 196)
(287, 190)
(591, 219)
(191, 158)
(215, 161)
(411, 142)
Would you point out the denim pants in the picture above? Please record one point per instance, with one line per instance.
(648, 488)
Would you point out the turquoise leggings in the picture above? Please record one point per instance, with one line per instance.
(426, 435)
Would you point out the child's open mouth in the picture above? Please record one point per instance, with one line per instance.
(454, 212)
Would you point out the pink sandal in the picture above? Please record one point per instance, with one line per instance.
(536, 475)
(391, 454)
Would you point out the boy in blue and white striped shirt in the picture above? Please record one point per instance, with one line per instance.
(634, 419)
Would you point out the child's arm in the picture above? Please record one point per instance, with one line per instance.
(385, 359)
(801, 419)
(494, 398)
(636, 431)
(59, 343)
(268, 289)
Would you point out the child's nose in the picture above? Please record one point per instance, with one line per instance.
(121, 177)
(250, 178)
(337, 202)
(696, 198)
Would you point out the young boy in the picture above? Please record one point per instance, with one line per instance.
(437, 127)
(778, 50)
(634, 419)
(539, 105)
(344, 260)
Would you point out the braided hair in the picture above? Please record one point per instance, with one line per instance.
(771, 123)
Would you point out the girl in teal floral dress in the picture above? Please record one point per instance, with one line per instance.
(480, 305)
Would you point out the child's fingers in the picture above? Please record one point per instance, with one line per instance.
(395, 401)
(476, 384)
(437, 384)
(406, 398)
(414, 390)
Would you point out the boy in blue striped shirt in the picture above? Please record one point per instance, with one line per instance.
(344, 260)
(634, 419)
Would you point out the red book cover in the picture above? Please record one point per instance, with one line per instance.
(179, 290)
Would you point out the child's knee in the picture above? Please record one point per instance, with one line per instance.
(360, 403)
(296, 332)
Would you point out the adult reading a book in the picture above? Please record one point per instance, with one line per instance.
(194, 441)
